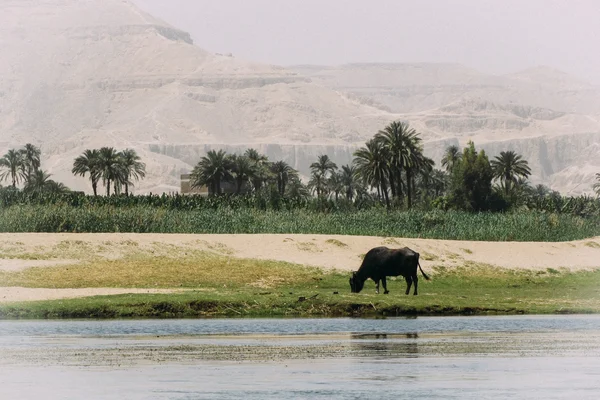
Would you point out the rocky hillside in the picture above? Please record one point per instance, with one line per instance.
(79, 74)
(551, 118)
(113, 75)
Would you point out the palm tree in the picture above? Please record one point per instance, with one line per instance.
(419, 164)
(212, 169)
(597, 184)
(348, 178)
(415, 163)
(335, 185)
(284, 173)
(56, 187)
(372, 168)
(40, 182)
(397, 138)
(319, 171)
(110, 168)
(31, 159)
(323, 165)
(89, 163)
(261, 167)
(13, 165)
(132, 167)
(451, 158)
(296, 190)
(242, 170)
(508, 168)
(317, 183)
(433, 183)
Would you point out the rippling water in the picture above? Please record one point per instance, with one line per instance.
(545, 357)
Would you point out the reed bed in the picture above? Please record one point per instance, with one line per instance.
(437, 224)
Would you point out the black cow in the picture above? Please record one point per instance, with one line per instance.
(380, 262)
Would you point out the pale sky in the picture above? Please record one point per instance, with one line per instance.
(496, 36)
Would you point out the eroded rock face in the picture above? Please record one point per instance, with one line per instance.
(81, 74)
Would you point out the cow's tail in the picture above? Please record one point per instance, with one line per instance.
(424, 274)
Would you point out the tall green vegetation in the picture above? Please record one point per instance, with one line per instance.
(284, 173)
(390, 171)
(31, 159)
(206, 217)
(509, 167)
(321, 171)
(39, 182)
(471, 187)
(451, 158)
(12, 166)
(106, 164)
(132, 168)
(89, 163)
(211, 171)
(24, 166)
(393, 162)
(371, 164)
(597, 184)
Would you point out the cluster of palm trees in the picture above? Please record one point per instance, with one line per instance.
(24, 166)
(391, 168)
(393, 164)
(249, 172)
(509, 169)
(116, 169)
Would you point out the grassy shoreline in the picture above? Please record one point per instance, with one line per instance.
(305, 292)
(211, 279)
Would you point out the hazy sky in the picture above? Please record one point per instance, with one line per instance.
(497, 36)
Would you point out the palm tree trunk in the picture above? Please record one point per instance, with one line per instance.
(95, 188)
(107, 187)
(392, 183)
(385, 194)
(399, 183)
(409, 188)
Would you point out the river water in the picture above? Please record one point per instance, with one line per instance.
(520, 357)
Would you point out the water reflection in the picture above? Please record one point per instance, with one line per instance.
(385, 345)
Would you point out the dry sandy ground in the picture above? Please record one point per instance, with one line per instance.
(325, 251)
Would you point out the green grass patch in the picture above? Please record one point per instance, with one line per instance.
(517, 226)
(229, 287)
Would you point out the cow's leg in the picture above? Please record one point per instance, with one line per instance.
(384, 282)
(408, 283)
(416, 280)
(377, 286)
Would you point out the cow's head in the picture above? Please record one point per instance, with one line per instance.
(356, 284)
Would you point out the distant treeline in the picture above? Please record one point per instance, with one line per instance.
(389, 171)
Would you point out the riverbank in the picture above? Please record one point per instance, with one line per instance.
(172, 275)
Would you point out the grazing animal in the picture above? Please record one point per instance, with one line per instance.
(380, 262)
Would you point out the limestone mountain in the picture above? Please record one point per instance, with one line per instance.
(81, 74)
(551, 118)
(78, 74)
